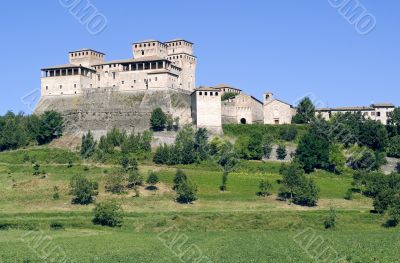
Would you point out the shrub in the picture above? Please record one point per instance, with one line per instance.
(115, 183)
(265, 188)
(281, 152)
(108, 213)
(51, 127)
(330, 220)
(83, 190)
(187, 192)
(36, 169)
(288, 133)
(158, 120)
(152, 180)
(267, 150)
(56, 226)
(135, 180)
(179, 179)
(88, 145)
(349, 194)
(56, 194)
(228, 95)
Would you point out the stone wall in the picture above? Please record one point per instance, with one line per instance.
(102, 109)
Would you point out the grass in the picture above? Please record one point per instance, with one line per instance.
(235, 226)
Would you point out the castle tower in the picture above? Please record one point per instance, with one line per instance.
(180, 52)
(149, 48)
(86, 57)
(206, 109)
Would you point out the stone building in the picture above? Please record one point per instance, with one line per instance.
(206, 109)
(379, 112)
(277, 111)
(155, 66)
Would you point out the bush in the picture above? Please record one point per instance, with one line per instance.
(88, 145)
(265, 188)
(297, 187)
(56, 194)
(228, 95)
(83, 190)
(108, 213)
(135, 180)
(158, 120)
(57, 226)
(115, 183)
(186, 192)
(349, 194)
(179, 179)
(152, 180)
(267, 150)
(288, 133)
(330, 220)
(281, 152)
(36, 169)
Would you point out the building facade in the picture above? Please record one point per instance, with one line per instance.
(378, 112)
(276, 111)
(155, 66)
(206, 109)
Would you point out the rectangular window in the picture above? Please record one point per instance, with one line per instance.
(60, 86)
(47, 87)
(113, 74)
(75, 86)
(156, 79)
(123, 82)
(378, 114)
(98, 77)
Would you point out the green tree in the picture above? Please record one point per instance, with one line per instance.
(313, 151)
(201, 144)
(337, 160)
(228, 160)
(228, 96)
(179, 178)
(281, 152)
(265, 188)
(51, 127)
(88, 145)
(373, 135)
(158, 120)
(288, 133)
(108, 213)
(394, 147)
(394, 122)
(152, 180)
(305, 112)
(330, 220)
(83, 190)
(115, 183)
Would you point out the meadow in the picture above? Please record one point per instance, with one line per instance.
(234, 226)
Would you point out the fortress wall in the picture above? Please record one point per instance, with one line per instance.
(102, 110)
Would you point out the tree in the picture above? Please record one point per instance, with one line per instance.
(297, 187)
(201, 144)
(394, 213)
(313, 150)
(305, 112)
(228, 96)
(88, 145)
(185, 145)
(393, 122)
(265, 188)
(281, 152)
(36, 169)
(228, 161)
(337, 160)
(394, 147)
(179, 178)
(115, 183)
(185, 189)
(83, 190)
(330, 220)
(158, 120)
(152, 180)
(288, 133)
(108, 213)
(51, 127)
(373, 135)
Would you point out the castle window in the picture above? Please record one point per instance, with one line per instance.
(60, 86)
(205, 93)
(75, 92)
(134, 81)
(98, 77)
(378, 114)
(142, 52)
(216, 93)
(200, 93)
(123, 82)
(211, 93)
(75, 86)
(156, 79)
(47, 87)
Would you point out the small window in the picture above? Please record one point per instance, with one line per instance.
(205, 93)
(113, 74)
(200, 93)
(211, 93)
(60, 86)
(134, 81)
(378, 114)
(75, 86)
(123, 82)
(47, 87)
(216, 93)
(156, 79)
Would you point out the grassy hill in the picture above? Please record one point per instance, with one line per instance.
(235, 226)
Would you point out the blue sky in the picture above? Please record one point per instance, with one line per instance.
(289, 47)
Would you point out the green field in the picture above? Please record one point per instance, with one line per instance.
(235, 226)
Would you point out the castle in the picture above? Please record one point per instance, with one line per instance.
(92, 93)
